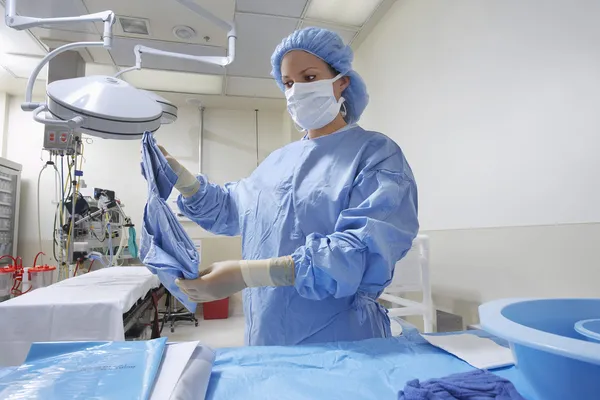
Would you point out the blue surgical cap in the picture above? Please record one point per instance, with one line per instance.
(329, 47)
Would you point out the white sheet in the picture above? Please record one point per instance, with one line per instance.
(175, 358)
(193, 383)
(89, 307)
(480, 352)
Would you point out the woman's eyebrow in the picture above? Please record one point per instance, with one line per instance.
(301, 72)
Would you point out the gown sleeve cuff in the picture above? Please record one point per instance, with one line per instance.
(271, 272)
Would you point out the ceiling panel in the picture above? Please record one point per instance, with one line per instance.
(57, 8)
(164, 15)
(258, 36)
(346, 12)
(122, 53)
(253, 87)
(64, 36)
(286, 8)
(346, 34)
(261, 25)
(100, 55)
(22, 66)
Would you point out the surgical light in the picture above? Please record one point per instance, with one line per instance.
(169, 110)
(105, 106)
(111, 108)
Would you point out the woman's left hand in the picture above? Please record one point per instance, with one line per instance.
(219, 281)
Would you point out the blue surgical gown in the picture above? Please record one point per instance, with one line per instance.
(345, 207)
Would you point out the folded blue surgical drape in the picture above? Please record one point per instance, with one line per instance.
(165, 247)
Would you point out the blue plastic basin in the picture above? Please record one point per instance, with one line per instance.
(556, 360)
(589, 329)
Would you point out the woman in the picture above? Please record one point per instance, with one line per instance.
(323, 220)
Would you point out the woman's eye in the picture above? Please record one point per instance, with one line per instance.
(288, 84)
(310, 78)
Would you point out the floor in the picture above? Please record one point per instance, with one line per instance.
(218, 333)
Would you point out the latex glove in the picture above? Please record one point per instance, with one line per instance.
(219, 281)
(186, 184)
(223, 279)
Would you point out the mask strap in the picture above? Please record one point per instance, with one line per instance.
(337, 78)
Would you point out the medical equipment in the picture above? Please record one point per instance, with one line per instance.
(7, 275)
(169, 110)
(555, 359)
(10, 195)
(41, 276)
(102, 106)
(100, 228)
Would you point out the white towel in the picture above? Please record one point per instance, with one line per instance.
(479, 352)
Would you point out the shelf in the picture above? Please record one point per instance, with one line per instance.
(5, 204)
(6, 191)
(4, 178)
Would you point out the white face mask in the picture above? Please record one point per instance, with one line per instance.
(313, 105)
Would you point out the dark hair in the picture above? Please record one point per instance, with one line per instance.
(333, 70)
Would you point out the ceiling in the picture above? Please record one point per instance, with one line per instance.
(261, 25)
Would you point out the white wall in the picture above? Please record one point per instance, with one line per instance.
(229, 154)
(495, 103)
(496, 107)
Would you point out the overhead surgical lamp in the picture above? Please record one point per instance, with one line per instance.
(103, 106)
(169, 110)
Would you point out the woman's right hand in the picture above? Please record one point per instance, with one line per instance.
(186, 184)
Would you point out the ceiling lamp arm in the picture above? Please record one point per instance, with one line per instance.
(29, 105)
(21, 22)
(214, 60)
(225, 25)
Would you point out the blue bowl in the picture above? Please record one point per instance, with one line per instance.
(556, 360)
(589, 328)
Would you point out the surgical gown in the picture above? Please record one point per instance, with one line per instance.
(345, 207)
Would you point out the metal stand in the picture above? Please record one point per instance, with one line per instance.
(173, 314)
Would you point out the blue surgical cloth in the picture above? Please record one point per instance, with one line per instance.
(329, 47)
(85, 370)
(345, 207)
(368, 369)
(165, 247)
(473, 385)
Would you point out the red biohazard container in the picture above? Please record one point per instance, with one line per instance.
(216, 309)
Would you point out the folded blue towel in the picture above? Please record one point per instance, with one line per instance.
(165, 247)
(474, 385)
